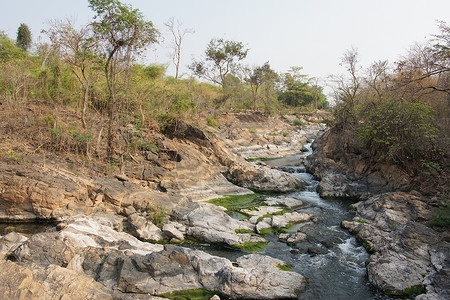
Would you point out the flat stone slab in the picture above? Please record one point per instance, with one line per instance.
(288, 202)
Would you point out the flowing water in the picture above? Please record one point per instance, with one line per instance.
(331, 258)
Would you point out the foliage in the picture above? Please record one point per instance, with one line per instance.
(243, 231)
(124, 33)
(398, 130)
(211, 121)
(158, 215)
(258, 77)
(409, 293)
(252, 159)
(440, 216)
(8, 49)
(298, 122)
(285, 267)
(252, 247)
(23, 40)
(296, 90)
(196, 294)
(238, 202)
(220, 60)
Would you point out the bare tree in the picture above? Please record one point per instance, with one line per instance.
(178, 35)
(76, 48)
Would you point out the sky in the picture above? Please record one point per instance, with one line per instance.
(310, 34)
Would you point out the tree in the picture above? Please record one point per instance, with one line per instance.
(8, 50)
(124, 33)
(23, 37)
(178, 36)
(76, 46)
(295, 89)
(347, 89)
(257, 77)
(220, 60)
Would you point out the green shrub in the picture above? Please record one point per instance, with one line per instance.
(82, 137)
(158, 215)
(298, 122)
(211, 121)
(397, 131)
(440, 216)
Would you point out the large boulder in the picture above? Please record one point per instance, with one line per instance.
(390, 226)
(209, 223)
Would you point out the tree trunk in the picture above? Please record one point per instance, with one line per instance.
(111, 104)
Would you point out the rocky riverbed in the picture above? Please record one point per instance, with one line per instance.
(116, 236)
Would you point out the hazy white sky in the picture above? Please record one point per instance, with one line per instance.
(311, 34)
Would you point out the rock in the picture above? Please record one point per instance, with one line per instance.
(121, 265)
(51, 282)
(296, 238)
(29, 192)
(336, 185)
(283, 237)
(293, 217)
(171, 231)
(288, 202)
(388, 225)
(209, 223)
(264, 178)
(316, 251)
(263, 224)
(10, 242)
(145, 229)
(249, 282)
(262, 211)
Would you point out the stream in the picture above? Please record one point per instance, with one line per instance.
(331, 259)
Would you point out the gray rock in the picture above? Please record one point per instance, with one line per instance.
(263, 224)
(296, 238)
(402, 246)
(145, 229)
(211, 224)
(262, 275)
(293, 217)
(288, 202)
(170, 230)
(10, 242)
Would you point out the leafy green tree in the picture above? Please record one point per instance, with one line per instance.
(124, 32)
(258, 77)
(221, 57)
(295, 89)
(8, 50)
(23, 37)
